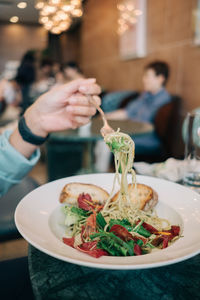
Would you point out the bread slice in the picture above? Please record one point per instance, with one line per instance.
(71, 191)
(148, 198)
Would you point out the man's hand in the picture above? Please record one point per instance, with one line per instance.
(61, 108)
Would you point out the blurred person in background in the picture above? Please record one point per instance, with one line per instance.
(26, 75)
(71, 71)
(45, 79)
(10, 92)
(154, 96)
(58, 73)
(143, 109)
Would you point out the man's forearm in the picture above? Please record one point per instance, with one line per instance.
(119, 114)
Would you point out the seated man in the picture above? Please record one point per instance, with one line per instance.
(145, 107)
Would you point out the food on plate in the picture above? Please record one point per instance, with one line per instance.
(148, 198)
(71, 191)
(121, 225)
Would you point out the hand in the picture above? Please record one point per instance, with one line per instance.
(63, 107)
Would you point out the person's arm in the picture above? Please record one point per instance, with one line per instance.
(119, 114)
(13, 165)
(61, 108)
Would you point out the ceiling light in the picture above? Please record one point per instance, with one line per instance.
(77, 13)
(14, 19)
(44, 20)
(59, 12)
(22, 5)
(39, 5)
(56, 30)
(67, 7)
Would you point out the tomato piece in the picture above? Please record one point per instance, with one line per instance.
(137, 250)
(121, 232)
(148, 227)
(88, 245)
(175, 230)
(91, 221)
(85, 202)
(90, 248)
(165, 243)
(69, 241)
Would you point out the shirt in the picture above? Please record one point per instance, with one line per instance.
(13, 165)
(146, 106)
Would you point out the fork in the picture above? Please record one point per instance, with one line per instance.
(106, 129)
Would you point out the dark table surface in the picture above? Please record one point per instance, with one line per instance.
(130, 127)
(54, 279)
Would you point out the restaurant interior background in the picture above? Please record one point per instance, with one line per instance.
(93, 42)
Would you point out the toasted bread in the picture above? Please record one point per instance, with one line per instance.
(71, 191)
(147, 196)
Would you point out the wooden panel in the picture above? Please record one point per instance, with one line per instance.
(16, 39)
(169, 38)
(190, 87)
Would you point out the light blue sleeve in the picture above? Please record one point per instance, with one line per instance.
(13, 165)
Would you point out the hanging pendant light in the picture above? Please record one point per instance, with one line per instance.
(57, 15)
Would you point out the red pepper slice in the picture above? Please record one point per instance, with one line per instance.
(175, 230)
(69, 241)
(137, 250)
(91, 249)
(121, 232)
(85, 202)
(165, 243)
(148, 227)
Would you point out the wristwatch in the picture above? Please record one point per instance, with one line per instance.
(27, 135)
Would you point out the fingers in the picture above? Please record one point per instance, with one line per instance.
(90, 89)
(79, 121)
(74, 85)
(81, 110)
(97, 100)
(81, 100)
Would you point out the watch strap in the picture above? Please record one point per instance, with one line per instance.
(28, 135)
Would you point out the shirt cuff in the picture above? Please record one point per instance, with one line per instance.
(13, 165)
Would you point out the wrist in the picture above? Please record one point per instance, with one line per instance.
(34, 122)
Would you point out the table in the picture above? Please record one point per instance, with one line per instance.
(130, 127)
(89, 137)
(54, 279)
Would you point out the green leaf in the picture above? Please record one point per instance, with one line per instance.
(124, 222)
(79, 211)
(142, 231)
(114, 243)
(100, 220)
(140, 242)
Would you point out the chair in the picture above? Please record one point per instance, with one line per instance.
(165, 124)
(8, 204)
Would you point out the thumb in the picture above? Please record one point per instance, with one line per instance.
(73, 87)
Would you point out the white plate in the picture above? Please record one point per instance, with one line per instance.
(38, 220)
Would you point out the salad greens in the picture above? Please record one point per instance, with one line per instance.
(73, 214)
